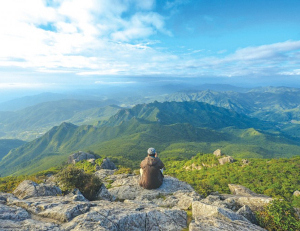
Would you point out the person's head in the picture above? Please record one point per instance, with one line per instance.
(151, 152)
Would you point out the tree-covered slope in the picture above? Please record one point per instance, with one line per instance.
(277, 104)
(7, 144)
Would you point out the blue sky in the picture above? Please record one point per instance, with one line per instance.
(57, 43)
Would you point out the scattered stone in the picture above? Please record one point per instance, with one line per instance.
(247, 212)
(218, 153)
(28, 189)
(296, 193)
(78, 156)
(227, 159)
(108, 164)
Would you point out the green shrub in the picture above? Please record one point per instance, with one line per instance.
(279, 215)
(72, 177)
(123, 170)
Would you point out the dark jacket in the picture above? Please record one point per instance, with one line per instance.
(152, 177)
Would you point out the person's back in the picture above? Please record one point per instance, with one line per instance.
(151, 175)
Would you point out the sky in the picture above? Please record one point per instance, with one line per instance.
(52, 44)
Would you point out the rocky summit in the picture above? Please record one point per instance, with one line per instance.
(123, 205)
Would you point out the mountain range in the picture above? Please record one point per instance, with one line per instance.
(176, 129)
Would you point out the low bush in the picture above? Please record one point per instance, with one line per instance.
(279, 215)
(72, 177)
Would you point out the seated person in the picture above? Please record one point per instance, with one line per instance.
(151, 171)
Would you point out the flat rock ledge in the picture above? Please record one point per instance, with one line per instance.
(124, 205)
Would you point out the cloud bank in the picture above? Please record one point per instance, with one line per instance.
(122, 38)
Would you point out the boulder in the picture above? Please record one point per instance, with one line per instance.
(255, 203)
(108, 164)
(241, 190)
(200, 209)
(227, 159)
(28, 189)
(247, 212)
(218, 153)
(218, 224)
(78, 156)
(296, 193)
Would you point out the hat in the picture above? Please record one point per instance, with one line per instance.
(151, 151)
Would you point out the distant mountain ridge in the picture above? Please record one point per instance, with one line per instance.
(45, 115)
(176, 129)
(271, 103)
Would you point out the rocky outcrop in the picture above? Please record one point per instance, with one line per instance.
(227, 159)
(28, 189)
(128, 216)
(127, 206)
(79, 156)
(108, 164)
(217, 153)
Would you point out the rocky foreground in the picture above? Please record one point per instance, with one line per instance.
(127, 206)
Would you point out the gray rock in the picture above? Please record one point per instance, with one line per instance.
(128, 216)
(254, 202)
(103, 194)
(227, 159)
(200, 209)
(296, 193)
(26, 225)
(245, 161)
(217, 224)
(103, 173)
(241, 190)
(218, 152)
(58, 208)
(108, 164)
(76, 195)
(128, 188)
(78, 156)
(28, 189)
(247, 212)
(13, 213)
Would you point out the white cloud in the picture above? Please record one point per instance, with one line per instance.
(75, 34)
